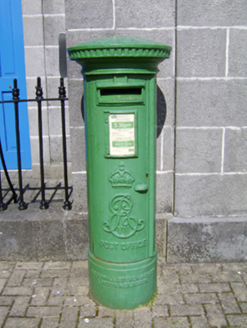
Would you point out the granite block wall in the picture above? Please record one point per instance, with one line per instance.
(42, 23)
(211, 108)
(155, 20)
(201, 103)
(201, 143)
(201, 92)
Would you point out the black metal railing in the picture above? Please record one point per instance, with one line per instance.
(44, 204)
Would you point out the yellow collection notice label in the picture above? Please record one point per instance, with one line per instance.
(122, 134)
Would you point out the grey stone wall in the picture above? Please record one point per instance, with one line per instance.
(201, 148)
(86, 20)
(42, 23)
(211, 116)
(202, 127)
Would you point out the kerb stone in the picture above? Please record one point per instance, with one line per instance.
(206, 240)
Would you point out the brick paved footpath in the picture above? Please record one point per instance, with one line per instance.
(54, 294)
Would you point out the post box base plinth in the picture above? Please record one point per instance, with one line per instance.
(122, 285)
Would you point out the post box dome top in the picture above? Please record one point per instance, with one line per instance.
(119, 47)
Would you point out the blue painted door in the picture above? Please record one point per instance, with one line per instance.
(12, 65)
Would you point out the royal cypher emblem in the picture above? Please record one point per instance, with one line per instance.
(121, 224)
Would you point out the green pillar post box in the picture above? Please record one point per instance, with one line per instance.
(120, 118)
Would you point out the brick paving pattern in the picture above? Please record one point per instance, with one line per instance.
(55, 294)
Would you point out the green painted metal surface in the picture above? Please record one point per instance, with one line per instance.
(120, 117)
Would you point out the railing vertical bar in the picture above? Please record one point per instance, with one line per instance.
(39, 96)
(15, 97)
(62, 96)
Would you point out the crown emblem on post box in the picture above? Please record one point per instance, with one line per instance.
(121, 178)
